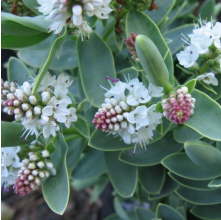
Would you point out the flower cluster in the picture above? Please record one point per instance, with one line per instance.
(203, 45)
(130, 44)
(40, 112)
(66, 12)
(179, 107)
(10, 165)
(34, 170)
(131, 116)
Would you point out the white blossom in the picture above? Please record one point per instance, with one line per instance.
(72, 117)
(50, 129)
(188, 57)
(208, 78)
(47, 82)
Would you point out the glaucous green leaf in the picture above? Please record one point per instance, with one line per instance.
(65, 58)
(163, 10)
(119, 36)
(182, 133)
(143, 214)
(181, 165)
(139, 23)
(120, 172)
(204, 154)
(11, 133)
(166, 212)
(215, 184)
(101, 141)
(155, 152)
(75, 144)
(49, 57)
(12, 28)
(168, 187)
(175, 43)
(90, 166)
(207, 9)
(152, 178)
(17, 71)
(190, 85)
(85, 183)
(81, 126)
(189, 183)
(95, 63)
(50, 147)
(211, 212)
(37, 22)
(207, 116)
(200, 197)
(56, 188)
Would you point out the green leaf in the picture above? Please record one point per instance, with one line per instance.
(12, 28)
(215, 184)
(98, 189)
(11, 133)
(139, 23)
(66, 58)
(119, 209)
(81, 126)
(168, 187)
(182, 133)
(101, 141)
(163, 10)
(190, 85)
(200, 197)
(17, 71)
(166, 212)
(50, 147)
(207, 116)
(56, 188)
(37, 22)
(122, 176)
(204, 155)
(207, 9)
(181, 165)
(17, 42)
(152, 178)
(113, 217)
(85, 183)
(49, 58)
(90, 166)
(155, 152)
(95, 63)
(143, 214)
(192, 184)
(211, 212)
(76, 144)
(173, 35)
(32, 4)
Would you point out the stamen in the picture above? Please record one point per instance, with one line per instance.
(103, 87)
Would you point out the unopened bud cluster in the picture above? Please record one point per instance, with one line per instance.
(34, 170)
(141, 4)
(203, 49)
(179, 107)
(68, 12)
(39, 112)
(130, 44)
(130, 116)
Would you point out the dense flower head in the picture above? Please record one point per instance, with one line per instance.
(202, 45)
(131, 116)
(33, 171)
(179, 107)
(130, 44)
(43, 111)
(10, 165)
(65, 12)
